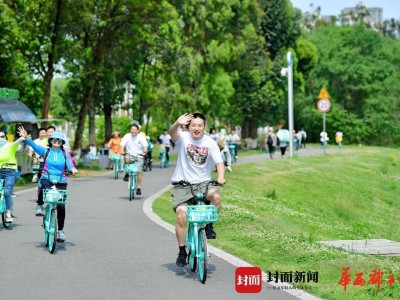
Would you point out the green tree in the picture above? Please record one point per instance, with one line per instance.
(359, 69)
(37, 29)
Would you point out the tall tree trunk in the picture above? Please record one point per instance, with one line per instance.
(107, 121)
(92, 125)
(249, 129)
(47, 90)
(83, 113)
(140, 116)
(88, 102)
(50, 64)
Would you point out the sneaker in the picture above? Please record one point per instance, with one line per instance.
(60, 236)
(229, 168)
(39, 210)
(210, 233)
(126, 177)
(138, 192)
(181, 260)
(9, 218)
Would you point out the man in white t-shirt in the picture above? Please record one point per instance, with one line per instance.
(134, 144)
(197, 153)
(165, 139)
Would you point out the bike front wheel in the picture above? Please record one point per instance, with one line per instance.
(132, 187)
(45, 224)
(3, 211)
(52, 237)
(192, 250)
(202, 255)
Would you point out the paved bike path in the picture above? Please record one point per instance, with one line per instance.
(113, 250)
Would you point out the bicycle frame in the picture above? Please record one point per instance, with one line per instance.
(196, 240)
(147, 164)
(163, 159)
(3, 205)
(116, 160)
(52, 197)
(132, 169)
(232, 151)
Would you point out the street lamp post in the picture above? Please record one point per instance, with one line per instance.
(289, 71)
(290, 100)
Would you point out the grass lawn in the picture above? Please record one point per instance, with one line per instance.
(274, 213)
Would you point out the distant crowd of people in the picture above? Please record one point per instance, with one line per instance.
(197, 150)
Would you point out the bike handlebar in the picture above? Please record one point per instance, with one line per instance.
(197, 196)
(7, 165)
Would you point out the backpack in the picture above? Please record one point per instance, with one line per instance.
(270, 141)
(47, 154)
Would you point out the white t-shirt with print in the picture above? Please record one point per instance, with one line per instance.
(195, 158)
(135, 145)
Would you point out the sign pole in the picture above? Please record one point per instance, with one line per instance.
(323, 105)
(324, 130)
(290, 99)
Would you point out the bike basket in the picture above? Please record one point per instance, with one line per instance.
(115, 157)
(35, 167)
(131, 168)
(55, 196)
(202, 214)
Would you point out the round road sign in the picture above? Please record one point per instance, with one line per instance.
(324, 105)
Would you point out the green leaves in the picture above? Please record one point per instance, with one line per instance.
(359, 69)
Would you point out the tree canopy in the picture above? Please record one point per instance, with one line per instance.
(219, 57)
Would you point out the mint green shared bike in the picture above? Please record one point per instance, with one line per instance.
(52, 197)
(198, 215)
(132, 169)
(116, 160)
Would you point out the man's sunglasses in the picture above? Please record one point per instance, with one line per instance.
(2, 136)
(57, 141)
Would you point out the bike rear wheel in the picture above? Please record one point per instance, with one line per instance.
(52, 231)
(3, 218)
(202, 255)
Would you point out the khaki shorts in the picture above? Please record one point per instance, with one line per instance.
(181, 195)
